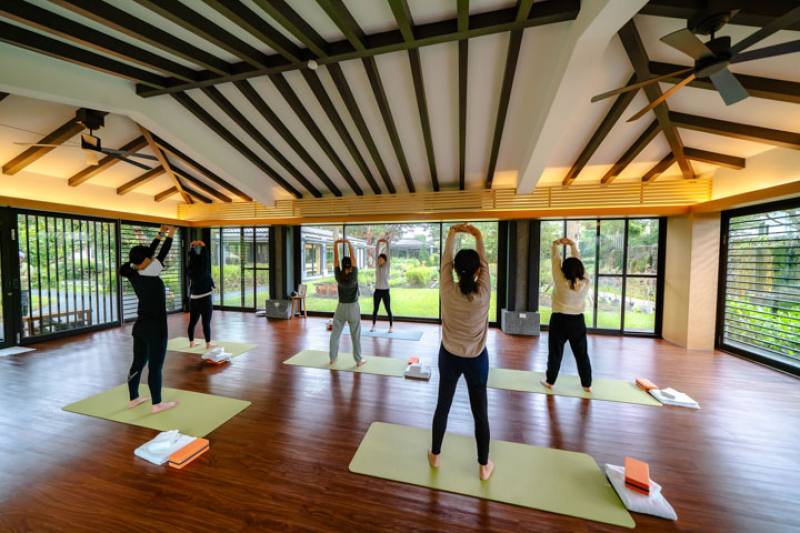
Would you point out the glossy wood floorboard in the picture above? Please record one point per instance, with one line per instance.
(282, 463)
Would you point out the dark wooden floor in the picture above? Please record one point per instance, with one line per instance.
(282, 463)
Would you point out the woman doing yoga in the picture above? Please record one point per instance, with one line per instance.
(347, 311)
(201, 286)
(382, 266)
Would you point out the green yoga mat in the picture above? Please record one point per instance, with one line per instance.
(612, 390)
(181, 344)
(551, 480)
(384, 366)
(197, 414)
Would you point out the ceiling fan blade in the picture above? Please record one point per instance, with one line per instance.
(688, 43)
(672, 90)
(787, 19)
(640, 84)
(131, 162)
(789, 47)
(728, 87)
(120, 153)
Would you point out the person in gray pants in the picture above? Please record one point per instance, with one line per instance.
(348, 309)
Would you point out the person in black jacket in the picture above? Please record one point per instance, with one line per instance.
(201, 286)
(150, 328)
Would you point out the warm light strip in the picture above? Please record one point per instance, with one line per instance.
(499, 203)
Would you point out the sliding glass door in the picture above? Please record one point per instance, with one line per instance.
(240, 266)
(621, 257)
(759, 293)
(68, 273)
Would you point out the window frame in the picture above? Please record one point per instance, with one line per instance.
(722, 277)
(623, 275)
(219, 251)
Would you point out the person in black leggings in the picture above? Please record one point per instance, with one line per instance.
(150, 328)
(381, 293)
(201, 287)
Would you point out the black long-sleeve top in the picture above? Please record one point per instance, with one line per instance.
(198, 268)
(152, 309)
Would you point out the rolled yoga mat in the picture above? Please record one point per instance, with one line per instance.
(403, 335)
(557, 481)
(197, 414)
(612, 390)
(384, 366)
(181, 344)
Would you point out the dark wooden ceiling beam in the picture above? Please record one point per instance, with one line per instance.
(195, 194)
(734, 130)
(2, 95)
(499, 21)
(344, 20)
(463, 64)
(637, 55)
(163, 195)
(294, 24)
(343, 87)
(245, 18)
(136, 28)
(659, 168)
(714, 158)
(630, 154)
(212, 123)
(211, 191)
(269, 115)
(767, 88)
(225, 105)
(212, 176)
(614, 113)
(42, 44)
(138, 181)
(192, 21)
(753, 13)
(43, 19)
(402, 14)
(165, 164)
(107, 162)
(314, 83)
(300, 110)
(60, 135)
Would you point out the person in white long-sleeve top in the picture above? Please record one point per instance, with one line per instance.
(570, 289)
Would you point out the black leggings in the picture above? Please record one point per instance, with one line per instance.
(570, 328)
(200, 307)
(377, 296)
(476, 372)
(150, 352)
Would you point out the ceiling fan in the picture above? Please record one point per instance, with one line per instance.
(711, 59)
(91, 145)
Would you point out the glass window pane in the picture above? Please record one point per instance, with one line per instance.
(216, 270)
(762, 285)
(317, 269)
(232, 266)
(489, 230)
(609, 302)
(612, 242)
(643, 246)
(550, 231)
(640, 304)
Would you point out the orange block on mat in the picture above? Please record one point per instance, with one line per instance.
(637, 475)
(188, 453)
(413, 360)
(645, 384)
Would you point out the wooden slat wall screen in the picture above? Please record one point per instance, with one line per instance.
(675, 192)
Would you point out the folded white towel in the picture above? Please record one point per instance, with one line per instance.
(217, 354)
(670, 396)
(158, 450)
(653, 504)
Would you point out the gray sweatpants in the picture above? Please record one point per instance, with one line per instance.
(351, 314)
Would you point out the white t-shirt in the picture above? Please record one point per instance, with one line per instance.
(567, 300)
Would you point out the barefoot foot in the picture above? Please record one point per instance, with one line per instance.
(486, 470)
(372, 329)
(137, 401)
(433, 459)
(210, 344)
(192, 344)
(163, 406)
(391, 329)
(361, 363)
(546, 384)
(587, 389)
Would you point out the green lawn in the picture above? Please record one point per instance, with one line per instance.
(634, 320)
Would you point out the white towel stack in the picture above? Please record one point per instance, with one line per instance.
(653, 504)
(217, 355)
(158, 450)
(670, 396)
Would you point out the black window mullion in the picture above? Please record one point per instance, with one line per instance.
(596, 287)
(624, 275)
(65, 260)
(83, 271)
(30, 276)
